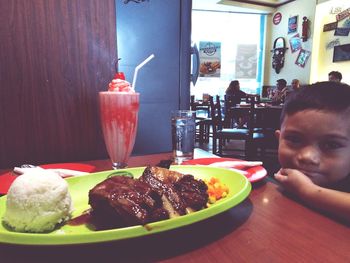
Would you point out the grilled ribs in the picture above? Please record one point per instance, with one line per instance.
(179, 192)
(121, 201)
(157, 195)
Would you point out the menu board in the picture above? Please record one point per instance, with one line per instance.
(209, 59)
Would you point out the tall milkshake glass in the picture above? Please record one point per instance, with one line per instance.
(119, 115)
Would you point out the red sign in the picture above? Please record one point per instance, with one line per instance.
(277, 18)
(343, 14)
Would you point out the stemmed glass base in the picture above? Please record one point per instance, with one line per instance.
(117, 166)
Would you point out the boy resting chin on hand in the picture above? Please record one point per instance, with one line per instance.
(314, 147)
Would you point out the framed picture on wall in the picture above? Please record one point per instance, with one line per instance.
(295, 43)
(292, 24)
(302, 58)
(342, 31)
(330, 26)
(341, 53)
(210, 59)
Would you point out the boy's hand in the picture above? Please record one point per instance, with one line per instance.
(294, 181)
(328, 200)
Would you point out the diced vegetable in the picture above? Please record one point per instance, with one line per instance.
(216, 190)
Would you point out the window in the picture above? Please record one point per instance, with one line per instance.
(240, 38)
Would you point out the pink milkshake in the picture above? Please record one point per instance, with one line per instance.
(119, 114)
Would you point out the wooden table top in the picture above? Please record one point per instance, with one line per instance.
(266, 227)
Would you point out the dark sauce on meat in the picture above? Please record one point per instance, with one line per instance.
(94, 223)
(84, 218)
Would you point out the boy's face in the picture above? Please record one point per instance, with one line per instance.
(317, 143)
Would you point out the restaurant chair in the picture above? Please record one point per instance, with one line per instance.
(251, 137)
(202, 123)
(202, 108)
(229, 118)
(268, 120)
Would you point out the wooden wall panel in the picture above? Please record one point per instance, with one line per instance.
(55, 55)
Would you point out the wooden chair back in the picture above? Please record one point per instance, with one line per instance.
(192, 103)
(215, 111)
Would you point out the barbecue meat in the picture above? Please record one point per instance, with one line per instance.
(122, 201)
(162, 180)
(179, 192)
(158, 194)
(193, 192)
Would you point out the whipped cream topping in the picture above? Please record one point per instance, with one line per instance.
(120, 85)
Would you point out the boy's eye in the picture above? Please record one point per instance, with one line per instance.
(292, 139)
(331, 145)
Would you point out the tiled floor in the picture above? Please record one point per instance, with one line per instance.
(270, 160)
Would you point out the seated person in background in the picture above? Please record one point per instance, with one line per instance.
(314, 147)
(335, 76)
(234, 96)
(295, 84)
(281, 92)
(235, 93)
(270, 91)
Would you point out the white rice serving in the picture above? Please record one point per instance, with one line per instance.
(37, 202)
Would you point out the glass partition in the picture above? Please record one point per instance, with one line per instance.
(238, 41)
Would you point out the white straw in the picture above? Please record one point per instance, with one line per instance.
(138, 67)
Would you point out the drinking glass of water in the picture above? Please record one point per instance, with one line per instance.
(183, 130)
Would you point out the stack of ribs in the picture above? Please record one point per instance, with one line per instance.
(158, 194)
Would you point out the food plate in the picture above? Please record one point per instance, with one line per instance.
(253, 174)
(239, 189)
(7, 178)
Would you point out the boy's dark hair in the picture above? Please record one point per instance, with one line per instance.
(326, 96)
(282, 81)
(336, 74)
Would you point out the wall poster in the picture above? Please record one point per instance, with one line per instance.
(346, 23)
(302, 58)
(330, 26)
(246, 61)
(343, 14)
(341, 53)
(292, 24)
(295, 43)
(209, 59)
(342, 31)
